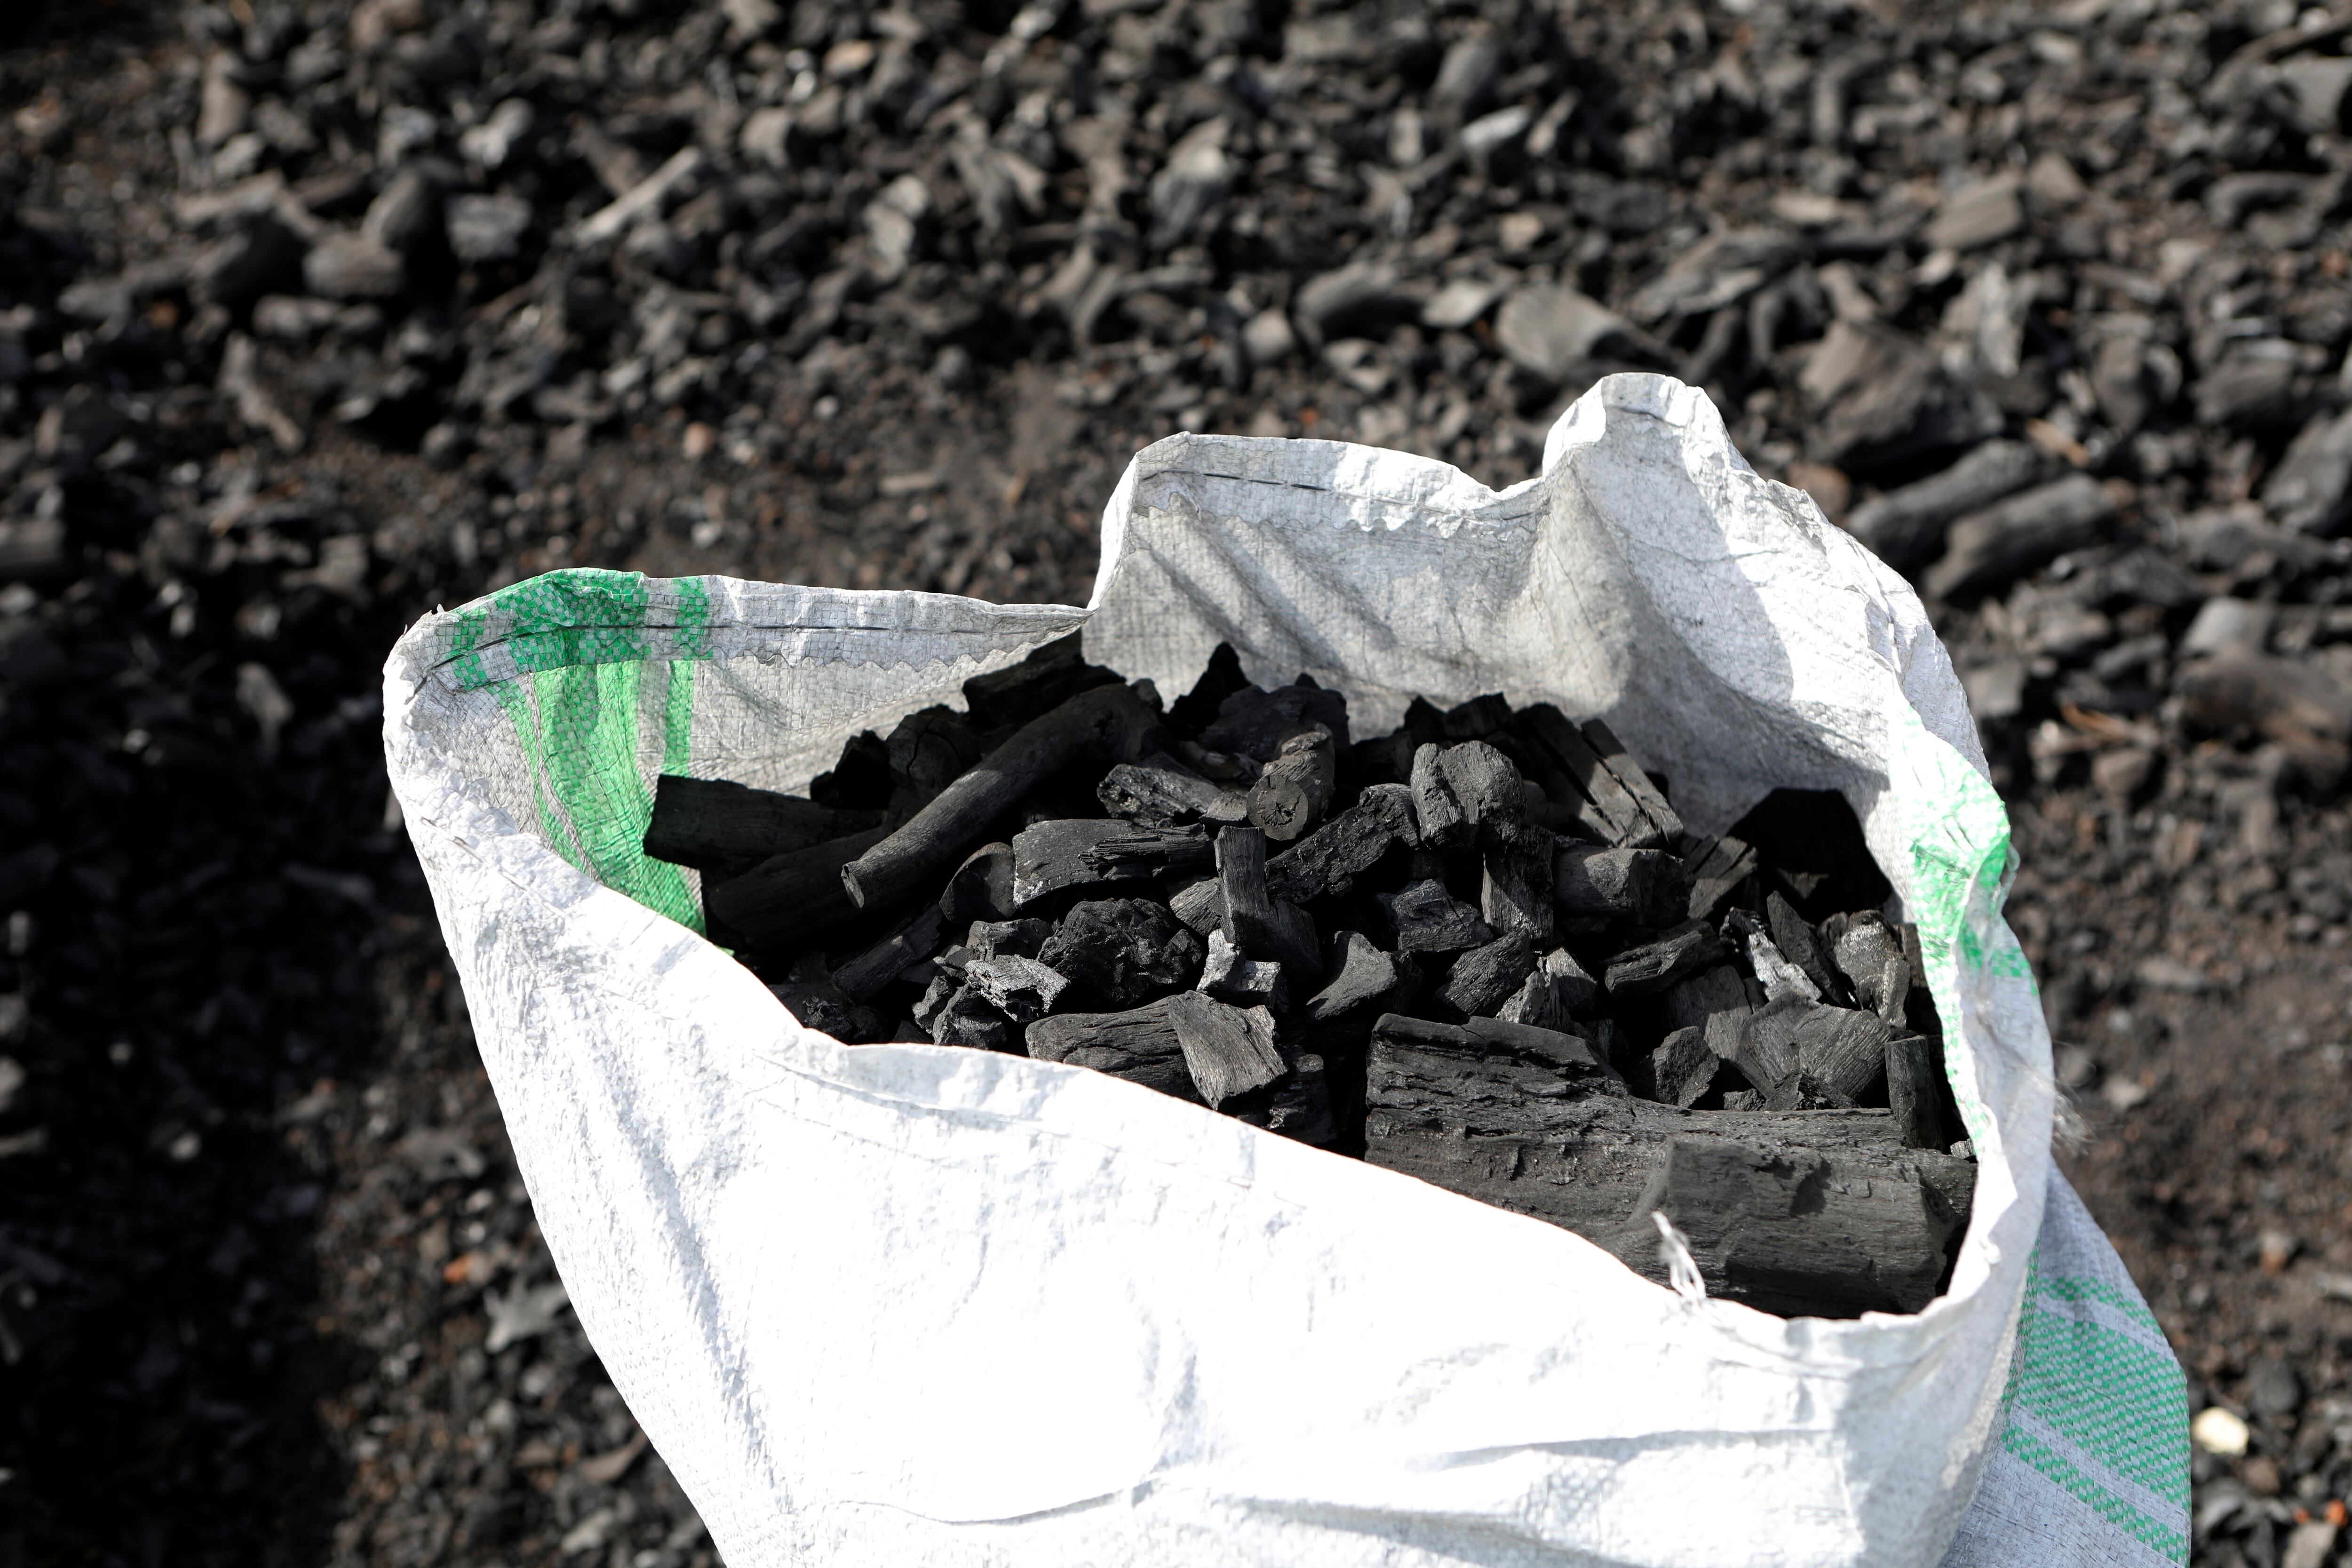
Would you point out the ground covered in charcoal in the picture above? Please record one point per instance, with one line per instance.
(313, 316)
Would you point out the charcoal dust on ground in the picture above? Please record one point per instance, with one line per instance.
(315, 316)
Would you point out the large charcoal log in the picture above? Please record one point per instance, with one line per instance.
(795, 900)
(866, 973)
(1109, 724)
(1139, 1045)
(1796, 1231)
(1525, 1138)
(724, 829)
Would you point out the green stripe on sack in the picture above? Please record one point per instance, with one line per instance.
(2062, 1473)
(580, 700)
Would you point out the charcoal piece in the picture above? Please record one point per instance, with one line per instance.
(1229, 1051)
(1543, 1063)
(1231, 977)
(2311, 489)
(1800, 1232)
(1199, 904)
(1444, 822)
(930, 750)
(823, 1008)
(1288, 799)
(1989, 550)
(1050, 676)
(860, 780)
(1813, 843)
(1500, 1129)
(1799, 945)
(1556, 991)
(1197, 708)
(967, 1018)
(1122, 953)
(1517, 878)
(1479, 719)
(1915, 1085)
(1254, 723)
(1139, 1044)
(1148, 851)
(862, 976)
(1843, 1050)
(1329, 860)
(1723, 989)
(1906, 527)
(1588, 772)
(1106, 725)
(1301, 1106)
(939, 991)
(1360, 973)
(1485, 785)
(1008, 939)
(724, 829)
(1653, 966)
(791, 901)
(1425, 918)
(1682, 1071)
(1645, 887)
(1022, 989)
(981, 888)
(1869, 953)
(1160, 791)
(1485, 977)
(1764, 1048)
(1778, 976)
(1048, 857)
(1258, 923)
(1716, 870)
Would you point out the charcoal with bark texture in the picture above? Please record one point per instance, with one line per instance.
(1329, 860)
(1229, 1051)
(1288, 798)
(1915, 1089)
(1139, 1044)
(1122, 952)
(1589, 773)
(1160, 791)
(1231, 977)
(1424, 918)
(1255, 921)
(1485, 977)
(1653, 966)
(1051, 856)
(1022, 989)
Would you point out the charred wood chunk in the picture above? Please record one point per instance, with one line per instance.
(1086, 852)
(1229, 1051)
(1485, 785)
(1254, 723)
(1813, 843)
(1151, 851)
(967, 1017)
(1255, 921)
(1915, 1084)
(1558, 990)
(1690, 1004)
(1361, 975)
(1843, 1050)
(1666, 823)
(1301, 1106)
(861, 779)
(1717, 870)
(929, 750)
(1778, 976)
(1139, 1044)
(1008, 939)
(1160, 791)
(1653, 966)
(794, 901)
(1328, 861)
(1052, 674)
(1288, 799)
(1427, 919)
(1444, 822)
(1869, 953)
(1486, 1061)
(724, 829)
(1800, 946)
(981, 888)
(1199, 904)
(1121, 953)
(866, 973)
(1485, 977)
(1231, 977)
(1588, 772)
(1765, 1046)
(1536, 1142)
(1682, 1071)
(825, 1008)
(1919, 1007)
(1022, 989)
(1518, 877)
(1476, 720)
(1106, 725)
(1197, 708)
(1643, 887)
(1796, 1231)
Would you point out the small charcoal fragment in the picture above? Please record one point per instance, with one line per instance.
(1122, 952)
(1444, 822)
(1843, 1050)
(1361, 975)
(1228, 1050)
(967, 1018)
(1645, 887)
(1485, 977)
(1008, 939)
(1586, 771)
(1243, 981)
(1690, 1003)
(1199, 904)
(822, 1007)
(1255, 922)
(1485, 785)
(860, 977)
(1682, 1071)
(1800, 944)
(1869, 953)
(1778, 977)
(1425, 918)
(1022, 989)
(981, 888)
(1556, 992)
(1652, 967)
(1328, 861)
(1148, 851)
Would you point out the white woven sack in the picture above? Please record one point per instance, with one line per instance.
(911, 1305)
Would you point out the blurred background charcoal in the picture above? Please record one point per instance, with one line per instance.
(315, 315)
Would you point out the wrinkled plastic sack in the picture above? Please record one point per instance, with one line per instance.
(902, 1304)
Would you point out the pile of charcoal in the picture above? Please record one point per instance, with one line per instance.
(1482, 949)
